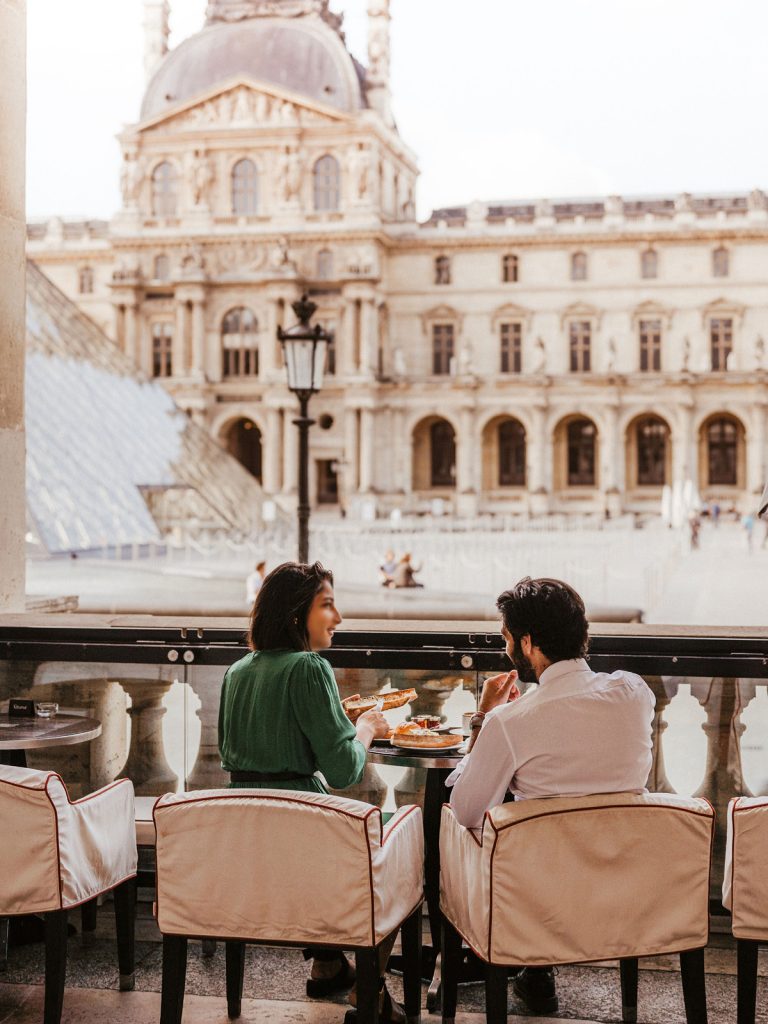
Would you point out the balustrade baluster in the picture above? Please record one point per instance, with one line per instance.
(146, 765)
(207, 772)
(664, 693)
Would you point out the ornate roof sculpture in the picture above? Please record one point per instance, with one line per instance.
(111, 460)
(296, 45)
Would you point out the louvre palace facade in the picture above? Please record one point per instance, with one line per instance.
(508, 356)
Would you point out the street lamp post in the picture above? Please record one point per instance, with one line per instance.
(304, 352)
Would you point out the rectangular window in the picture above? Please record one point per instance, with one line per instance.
(721, 342)
(442, 348)
(162, 350)
(512, 348)
(580, 334)
(650, 345)
(327, 482)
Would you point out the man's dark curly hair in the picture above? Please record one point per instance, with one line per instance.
(551, 613)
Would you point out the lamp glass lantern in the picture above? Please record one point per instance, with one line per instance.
(305, 350)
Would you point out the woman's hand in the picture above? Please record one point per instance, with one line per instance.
(497, 690)
(372, 725)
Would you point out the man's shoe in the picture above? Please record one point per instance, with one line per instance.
(535, 986)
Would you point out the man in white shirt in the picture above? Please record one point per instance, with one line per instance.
(577, 733)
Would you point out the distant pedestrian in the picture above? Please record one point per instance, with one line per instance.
(695, 526)
(405, 573)
(748, 522)
(387, 569)
(253, 582)
(714, 511)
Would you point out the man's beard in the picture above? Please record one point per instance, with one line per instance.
(525, 670)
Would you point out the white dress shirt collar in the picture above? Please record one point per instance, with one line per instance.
(558, 669)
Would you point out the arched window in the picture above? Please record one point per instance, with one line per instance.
(245, 188)
(443, 270)
(443, 454)
(244, 442)
(325, 265)
(510, 266)
(165, 189)
(239, 342)
(326, 181)
(651, 437)
(720, 262)
(649, 264)
(161, 270)
(162, 350)
(579, 266)
(511, 454)
(581, 435)
(85, 281)
(722, 452)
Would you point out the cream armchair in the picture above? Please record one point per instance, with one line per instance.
(745, 893)
(279, 868)
(571, 880)
(60, 854)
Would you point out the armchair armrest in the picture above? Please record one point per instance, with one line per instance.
(97, 841)
(398, 877)
(465, 878)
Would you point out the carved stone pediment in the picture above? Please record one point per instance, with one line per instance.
(511, 311)
(581, 311)
(652, 310)
(242, 103)
(723, 307)
(442, 313)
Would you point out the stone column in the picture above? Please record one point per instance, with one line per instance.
(272, 447)
(180, 340)
(369, 336)
(207, 772)
(346, 339)
(351, 450)
(657, 777)
(609, 458)
(465, 451)
(269, 345)
(756, 478)
(684, 463)
(198, 336)
(146, 766)
(536, 448)
(131, 332)
(366, 450)
(290, 452)
(13, 503)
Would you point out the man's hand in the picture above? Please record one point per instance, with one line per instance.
(497, 690)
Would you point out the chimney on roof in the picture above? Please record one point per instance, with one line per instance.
(156, 33)
(379, 95)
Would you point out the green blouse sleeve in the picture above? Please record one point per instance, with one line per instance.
(315, 697)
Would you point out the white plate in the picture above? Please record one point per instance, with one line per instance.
(444, 748)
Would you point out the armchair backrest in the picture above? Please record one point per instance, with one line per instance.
(30, 802)
(269, 865)
(592, 878)
(745, 879)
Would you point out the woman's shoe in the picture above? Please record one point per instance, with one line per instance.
(390, 1011)
(321, 988)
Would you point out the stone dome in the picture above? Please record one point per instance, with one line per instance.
(302, 55)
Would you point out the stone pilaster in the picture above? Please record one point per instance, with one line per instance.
(12, 305)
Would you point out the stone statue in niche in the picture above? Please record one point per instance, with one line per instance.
(201, 177)
(290, 173)
(360, 171)
(759, 352)
(466, 361)
(540, 356)
(193, 260)
(280, 256)
(398, 362)
(611, 363)
(131, 177)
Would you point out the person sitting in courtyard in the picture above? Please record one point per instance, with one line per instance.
(405, 573)
(387, 569)
(281, 721)
(577, 733)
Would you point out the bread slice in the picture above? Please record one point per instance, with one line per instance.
(390, 700)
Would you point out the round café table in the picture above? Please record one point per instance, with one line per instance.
(17, 735)
(438, 767)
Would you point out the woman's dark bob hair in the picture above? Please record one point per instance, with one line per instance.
(279, 617)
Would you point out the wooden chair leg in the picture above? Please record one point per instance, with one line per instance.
(174, 978)
(628, 973)
(496, 979)
(125, 927)
(88, 915)
(5, 924)
(746, 990)
(450, 947)
(235, 960)
(55, 964)
(367, 969)
(694, 986)
(410, 937)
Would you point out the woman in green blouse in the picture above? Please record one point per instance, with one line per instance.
(281, 718)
